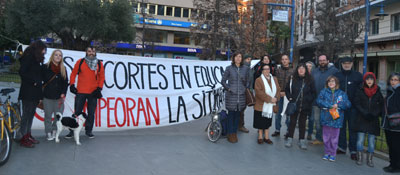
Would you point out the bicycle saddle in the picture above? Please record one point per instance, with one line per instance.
(6, 91)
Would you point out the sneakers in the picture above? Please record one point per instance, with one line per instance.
(50, 136)
(90, 135)
(276, 134)
(303, 144)
(309, 137)
(69, 135)
(243, 129)
(288, 142)
(325, 157)
(332, 158)
(31, 139)
(340, 152)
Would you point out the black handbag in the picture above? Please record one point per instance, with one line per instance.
(292, 106)
(393, 119)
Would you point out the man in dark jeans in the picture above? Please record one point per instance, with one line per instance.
(90, 73)
(350, 81)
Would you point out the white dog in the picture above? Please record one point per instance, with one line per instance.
(75, 123)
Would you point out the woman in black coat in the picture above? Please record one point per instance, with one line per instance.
(302, 88)
(31, 88)
(56, 83)
(368, 102)
(393, 132)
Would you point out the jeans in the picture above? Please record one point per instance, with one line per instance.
(331, 137)
(80, 100)
(233, 121)
(278, 118)
(349, 119)
(28, 111)
(360, 142)
(316, 115)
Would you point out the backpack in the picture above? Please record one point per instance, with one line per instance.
(81, 62)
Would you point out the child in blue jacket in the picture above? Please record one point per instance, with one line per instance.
(332, 97)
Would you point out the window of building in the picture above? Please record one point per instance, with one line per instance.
(181, 38)
(160, 10)
(374, 27)
(193, 13)
(143, 8)
(178, 11)
(135, 7)
(169, 11)
(185, 13)
(156, 36)
(395, 22)
(152, 9)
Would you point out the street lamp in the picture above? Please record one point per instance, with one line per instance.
(381, 16)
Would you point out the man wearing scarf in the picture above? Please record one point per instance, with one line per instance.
(90, 73)
(350, 81)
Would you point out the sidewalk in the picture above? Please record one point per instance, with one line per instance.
(180, 149)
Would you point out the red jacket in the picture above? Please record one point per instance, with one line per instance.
(88, 80)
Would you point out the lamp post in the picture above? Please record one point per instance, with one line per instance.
(292, 6)
(381, 15)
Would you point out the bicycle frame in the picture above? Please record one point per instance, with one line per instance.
(6, 120)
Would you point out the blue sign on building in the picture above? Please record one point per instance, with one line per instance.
(162, 22)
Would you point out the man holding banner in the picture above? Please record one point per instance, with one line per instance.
(90, 73)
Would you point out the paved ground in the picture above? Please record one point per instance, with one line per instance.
(181, 149)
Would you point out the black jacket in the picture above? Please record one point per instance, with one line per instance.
(350, 82)
(57, 86)
(31, 79)
(309, 93)
(369, 110)
(393, 106)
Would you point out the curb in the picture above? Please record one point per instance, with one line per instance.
(381, 155)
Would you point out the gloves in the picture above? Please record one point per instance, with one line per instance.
(73, 89)
(97, 93)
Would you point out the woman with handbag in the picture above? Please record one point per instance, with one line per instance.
(369, 102)
(332, 102)
(54, 91)
(390, 122)
(267, 95)
(31, 89)
(235, 81)
(301, 92)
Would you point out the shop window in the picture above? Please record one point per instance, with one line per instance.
(160, 10)
(169, 11)
(395, 22)
(185, 13)
(178, 11)
(181, 38)
(152, 9)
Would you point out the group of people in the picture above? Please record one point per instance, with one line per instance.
(46, 84)
(334, 101)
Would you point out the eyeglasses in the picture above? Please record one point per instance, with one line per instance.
(394, 79)
(331, 81)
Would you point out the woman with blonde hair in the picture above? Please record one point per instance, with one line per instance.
(54, 90)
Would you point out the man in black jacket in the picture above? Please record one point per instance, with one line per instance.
(350, 81)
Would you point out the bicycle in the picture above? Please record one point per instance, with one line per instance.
(214, 128)
(10, 123)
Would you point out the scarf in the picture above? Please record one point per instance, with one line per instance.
(55, 68)
(370, 91)
(91, 62)
(267, 110)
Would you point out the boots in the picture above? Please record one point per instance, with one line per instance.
(230, 138)
(359, 158)
(369, 159)
(288, 142)
(33, 140)
(303, 144)
(235, 138)
(25, 142)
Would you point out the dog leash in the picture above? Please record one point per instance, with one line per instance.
(69, 106)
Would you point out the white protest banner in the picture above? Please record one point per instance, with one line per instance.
(143, 92)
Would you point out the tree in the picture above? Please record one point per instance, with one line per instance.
(336, 31)
(77, 23)
(216, 26)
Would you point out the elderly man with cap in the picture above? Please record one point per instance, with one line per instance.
(350, 81)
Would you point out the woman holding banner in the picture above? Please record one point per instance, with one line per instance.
(54, 91)
(235, 80)
(267, 94)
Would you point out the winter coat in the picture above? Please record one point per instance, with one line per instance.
(57, 86)
(283, 74)
(350, 81)
(368, 112)
(308, 96)
(320, 76)
(31, 79)
(392, 107)
(262, 97)
(257, 71)
(325, 102)
(235, 80)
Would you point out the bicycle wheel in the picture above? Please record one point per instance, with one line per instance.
(15, 120)
(5, 146)
(214, 131)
